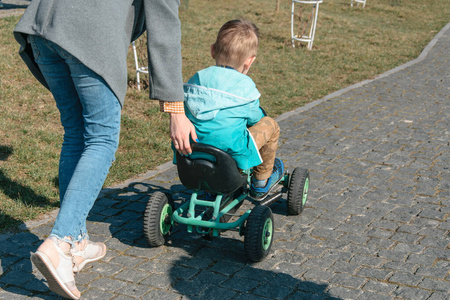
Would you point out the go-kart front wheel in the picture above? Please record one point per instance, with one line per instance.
(297, 191)
(258, 233)
(158, 218)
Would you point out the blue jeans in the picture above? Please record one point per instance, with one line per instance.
(90, 115)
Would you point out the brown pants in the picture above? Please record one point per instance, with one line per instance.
(265, 133)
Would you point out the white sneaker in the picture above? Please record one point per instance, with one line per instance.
(87, 252)
(57, 268)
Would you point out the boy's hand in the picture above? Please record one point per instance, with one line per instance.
(180, 130)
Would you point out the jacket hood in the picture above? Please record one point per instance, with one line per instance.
(216, 88)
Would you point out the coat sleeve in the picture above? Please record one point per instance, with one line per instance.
(255, 113)
(164, 49)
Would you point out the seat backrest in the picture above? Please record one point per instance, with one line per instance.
(209, 168)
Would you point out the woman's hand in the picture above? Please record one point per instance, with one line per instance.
(181, 129)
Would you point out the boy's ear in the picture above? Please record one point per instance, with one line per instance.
(248, 63)
(212, 51)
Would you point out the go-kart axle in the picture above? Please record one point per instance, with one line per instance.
(271, 199)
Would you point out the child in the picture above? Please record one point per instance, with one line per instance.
(223, 104)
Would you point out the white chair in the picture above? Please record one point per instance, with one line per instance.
(359, 1)
(302, 37)
(138, 69)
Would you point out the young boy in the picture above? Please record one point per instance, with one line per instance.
(223, 104)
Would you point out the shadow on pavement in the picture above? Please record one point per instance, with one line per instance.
(224, 273)
(194, 266)
(16, 269)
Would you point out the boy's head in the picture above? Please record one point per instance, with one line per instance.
(236, 44)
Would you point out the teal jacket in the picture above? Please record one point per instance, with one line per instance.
(222, 103)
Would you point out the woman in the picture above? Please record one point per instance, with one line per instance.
(78, 49)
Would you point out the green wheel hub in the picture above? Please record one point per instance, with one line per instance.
(166, 219)
(267, 234)
(305, 191)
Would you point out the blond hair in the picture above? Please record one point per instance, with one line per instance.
(236, 41)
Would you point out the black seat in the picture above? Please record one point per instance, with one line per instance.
(211, 169)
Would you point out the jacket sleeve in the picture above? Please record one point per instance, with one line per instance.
(164, 49)
(255, 113)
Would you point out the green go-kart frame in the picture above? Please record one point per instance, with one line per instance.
(219, 189)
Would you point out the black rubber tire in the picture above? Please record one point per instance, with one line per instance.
(152, 218)
(254, 239)
(298, 191)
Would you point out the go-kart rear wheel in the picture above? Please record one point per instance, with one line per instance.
(258, 233)
(158, 218)
(298, 191)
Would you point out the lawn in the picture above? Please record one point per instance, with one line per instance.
(351, 44)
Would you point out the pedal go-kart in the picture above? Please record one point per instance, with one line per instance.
(219, 189)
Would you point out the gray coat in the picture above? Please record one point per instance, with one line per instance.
(99, 33)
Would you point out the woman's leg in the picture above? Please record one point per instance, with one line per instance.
(90, 115)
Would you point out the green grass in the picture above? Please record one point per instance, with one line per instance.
(351, 45)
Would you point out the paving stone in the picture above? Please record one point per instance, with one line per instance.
(307, 296)
(320, 262)
(163, 295)
(106, 268)
(316, 274)
(365, 260)
(372, 295)
(249, 296)
(239, 284)
(86, 277)
(385, 224)
(343, 267)
(377, 274)
(158, 281)
(439, 296)
(106, 284)
(435, 285)
(405, 237)
(409, 248)
(16, 278)
(209, 277)
(214, 292)
(438, 253)
(345, 280)
(344, 293)
(272, 291)
(226, 268)
(405, 279)
(379, 244)
(285, 280)
(127, 261)
(317, 287)
(405, 292)
(288, 268)
(352, 238)
(382, 288)
(131, 275)
(134, 290)
(420, 259)
(123, 297)
(11, 292)
(400, 266)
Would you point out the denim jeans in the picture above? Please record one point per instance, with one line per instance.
(90, 115)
